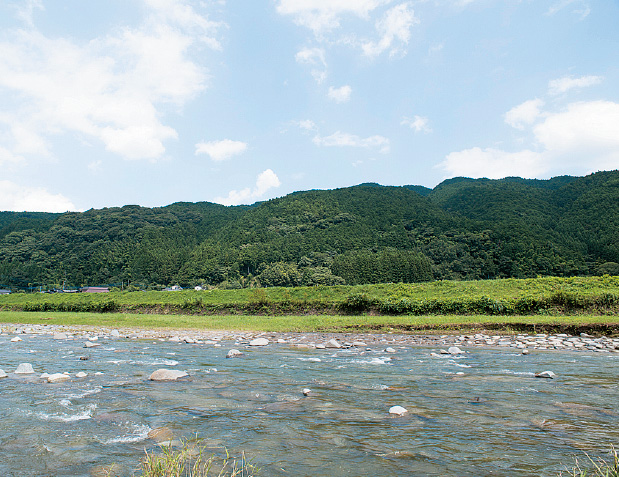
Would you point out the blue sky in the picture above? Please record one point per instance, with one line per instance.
(112, 102)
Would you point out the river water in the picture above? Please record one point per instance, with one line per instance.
(480, 414)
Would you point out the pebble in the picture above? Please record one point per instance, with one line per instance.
(16, 339)
(81, 374)
(306, 392)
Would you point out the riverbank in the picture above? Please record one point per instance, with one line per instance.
(321, 340)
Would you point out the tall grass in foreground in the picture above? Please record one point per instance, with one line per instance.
(594, 468)
(192, 461)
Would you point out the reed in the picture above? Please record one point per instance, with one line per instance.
(595, 467)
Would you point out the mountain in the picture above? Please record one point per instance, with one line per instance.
(462, 229)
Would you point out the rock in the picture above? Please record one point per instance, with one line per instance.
(358, 344)
(81, 374)
(259, 342)
(398, 410)
(174, 339)
(390, 350)
(3, 374)
(57, 378)
(24, 368)
(115, 334)
(333, 343)
(84, 358)
(525, 351)
(167, 375)
(281, 341)
(16, 339)
(435, 355)
(454, 350)
(44, 376)
(545, 374)
(306, 392)
(90, 344)
(320, 346)
(60, 336)
(160, 434)
(234, 353)
(93, 338)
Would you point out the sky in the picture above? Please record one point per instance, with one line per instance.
(105, 103)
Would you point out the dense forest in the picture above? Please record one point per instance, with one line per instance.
(462, 229)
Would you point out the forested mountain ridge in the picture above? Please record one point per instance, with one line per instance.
(461, 229)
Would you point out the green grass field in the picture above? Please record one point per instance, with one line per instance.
(319, 323)
(567, 304)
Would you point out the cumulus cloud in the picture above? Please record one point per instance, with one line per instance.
(494, 163)
(340, 139)
(563, 85)
(340, 95)
(112, 88)
(581, 138)
(14, 197)
(394, 31)
(524, 114)
(265, 181)
(583, 127)
(417, 124)
(221, 150)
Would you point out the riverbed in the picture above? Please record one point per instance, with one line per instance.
(481, 412)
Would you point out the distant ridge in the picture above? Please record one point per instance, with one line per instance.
(462, 229)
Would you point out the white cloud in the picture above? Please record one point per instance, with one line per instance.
(265, 181)
(316, 58)
(394, 27)
(493, 163)
(418, 124)
(580, 139)
(563, 85)
(307, 124)
(582, 12)
(221, 150)
(340, 95)
(589, 128)
(524, 114)
(26, 11)
(324, 15)
(340, 139)
(18, 198)
(111, 88)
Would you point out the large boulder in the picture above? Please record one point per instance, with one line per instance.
(259, 342)
(24, 368)
(58, 378)
(398, 410)
(234, 353)
(167, 375)
(333, 343)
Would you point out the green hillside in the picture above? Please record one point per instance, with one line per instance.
(462, 229)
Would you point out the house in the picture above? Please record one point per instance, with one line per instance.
(95, 290)
(5, 292)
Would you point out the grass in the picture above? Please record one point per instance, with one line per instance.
(317, 323)
(192, 461)
(596, 295)
(596, 468)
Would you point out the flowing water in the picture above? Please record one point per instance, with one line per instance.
(480, 414)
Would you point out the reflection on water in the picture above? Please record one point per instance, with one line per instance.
(483, 413)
